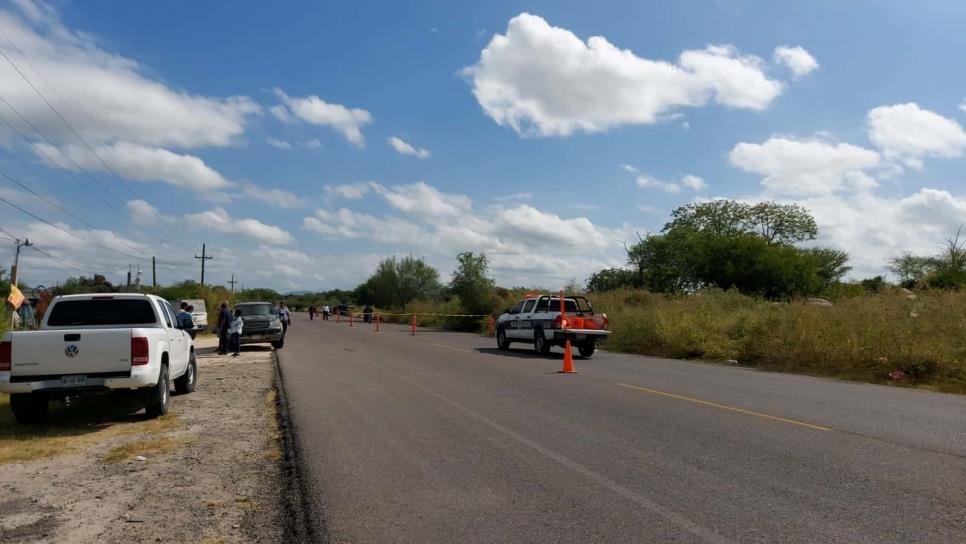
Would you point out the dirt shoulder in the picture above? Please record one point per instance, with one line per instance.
(208, 472)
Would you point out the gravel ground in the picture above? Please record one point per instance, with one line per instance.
(218, 481)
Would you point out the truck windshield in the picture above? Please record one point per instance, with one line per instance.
(256, 309)
(81, 313)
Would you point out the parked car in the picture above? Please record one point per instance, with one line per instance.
(199, 315)
(90, 344)
(261, 324)
(540, 321)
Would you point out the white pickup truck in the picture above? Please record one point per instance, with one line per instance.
(91, 344)
(546, 322)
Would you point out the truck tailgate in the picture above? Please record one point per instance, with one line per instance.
(80, 351)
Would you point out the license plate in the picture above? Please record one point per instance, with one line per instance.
(581, 336)
(77, 380)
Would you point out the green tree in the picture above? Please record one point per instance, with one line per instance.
(610, 279)
(471, 284)
(832, 264)
(396, 282)
(775, 223)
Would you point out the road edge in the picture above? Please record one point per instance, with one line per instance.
(297, 503)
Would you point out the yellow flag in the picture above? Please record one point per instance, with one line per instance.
(16, 298)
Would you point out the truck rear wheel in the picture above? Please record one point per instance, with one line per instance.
(29, 408)
(587, 348)
(156, 403)
(501, 340)
(540, 344)
(187, 382)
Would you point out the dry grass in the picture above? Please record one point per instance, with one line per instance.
(858, 338)
(147, 448)
(71, 429)
(274, 451)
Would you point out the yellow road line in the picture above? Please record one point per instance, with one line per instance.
(451, 347)
(726, 407)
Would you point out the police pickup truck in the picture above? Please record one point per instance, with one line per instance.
(546, 322)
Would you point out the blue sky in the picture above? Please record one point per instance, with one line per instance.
(543, 133)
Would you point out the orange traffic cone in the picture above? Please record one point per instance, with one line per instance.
(568, 362)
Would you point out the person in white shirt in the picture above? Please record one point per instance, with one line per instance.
(234, 332)
(325, 312)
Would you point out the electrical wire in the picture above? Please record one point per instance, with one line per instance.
(69, 126)
(69, 233)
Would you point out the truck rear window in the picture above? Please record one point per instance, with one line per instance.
(81, 313)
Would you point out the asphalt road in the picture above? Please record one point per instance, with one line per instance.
(439, 437)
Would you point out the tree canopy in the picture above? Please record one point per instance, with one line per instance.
(729, 244)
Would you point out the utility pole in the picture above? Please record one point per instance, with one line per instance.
(233, 282)
(154, 273)
(128, 288)
(204, 257)
(137, 279)
(15, 273)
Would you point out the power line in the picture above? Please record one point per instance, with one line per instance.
(49, 141)
(69, 126)
(65, 121)
(65, 231)
(157, 234)
(42, 252)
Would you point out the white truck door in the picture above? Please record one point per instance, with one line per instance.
(513, 324)
(177, 345)
(526, 320)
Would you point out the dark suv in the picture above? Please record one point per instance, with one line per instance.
(261, 324)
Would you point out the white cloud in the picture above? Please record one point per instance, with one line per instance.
(646, 181)
(312, 143)
(962, 105)
(797, 59)
(142, 163)
(279, 198)
(693, 182)
(873, 229)
(107, 96)
(350, 191)
(143, 213)
(526, 245)
(425, 200)
(404, 148)
(908, 133)
(806, 167)
(218, 220)
(514, 196)
(312, 109)
(545, 81)
(280, 144)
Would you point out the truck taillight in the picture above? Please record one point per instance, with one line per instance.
(6, 356)
(606, 322)
(139, 351)
(558, 322)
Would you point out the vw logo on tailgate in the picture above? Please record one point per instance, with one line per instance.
(71, 350)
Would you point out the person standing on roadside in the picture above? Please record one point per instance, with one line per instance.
(235, 330)
(185, 321)
(311, 313)
(325, 312)
(284, 316)
(224, 322)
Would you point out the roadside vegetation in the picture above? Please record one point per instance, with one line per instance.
(723, 280)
